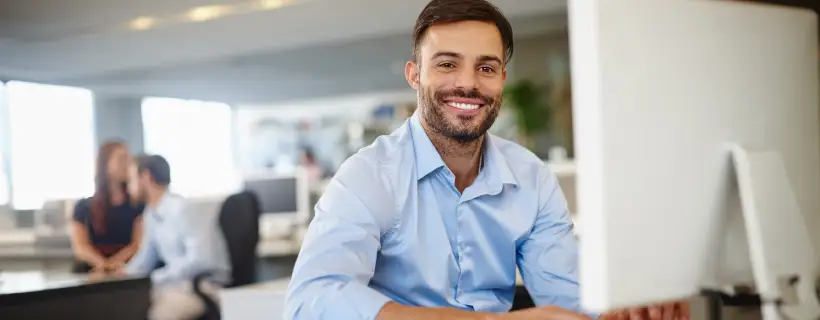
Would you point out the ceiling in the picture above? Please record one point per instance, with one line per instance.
(358, 66)
(63, 41)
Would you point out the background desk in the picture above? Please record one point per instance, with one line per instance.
(263, 301)
(38, 295)
(28, 257)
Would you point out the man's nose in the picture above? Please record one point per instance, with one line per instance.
(466, 79)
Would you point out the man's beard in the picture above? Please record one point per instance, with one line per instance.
(432, 105)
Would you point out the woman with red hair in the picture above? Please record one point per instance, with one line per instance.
(106, 228)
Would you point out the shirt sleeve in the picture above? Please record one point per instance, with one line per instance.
(197, 231)
(548, 258)
(82, 211)
(146, 258)
(338, 256)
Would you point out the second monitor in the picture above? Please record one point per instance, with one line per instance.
(284, 200)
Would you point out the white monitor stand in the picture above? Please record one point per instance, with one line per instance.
(784, 262)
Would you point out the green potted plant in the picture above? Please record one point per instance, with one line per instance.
(532, 111)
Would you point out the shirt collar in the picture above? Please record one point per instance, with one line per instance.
(158, 211)
(500, 172)
(428, 159)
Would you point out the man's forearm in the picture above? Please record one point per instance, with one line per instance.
(396, 311)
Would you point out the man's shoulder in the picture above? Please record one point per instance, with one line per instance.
(384, 154)
(386, 148)
(376, 175)
(521, 161)
(173, 206)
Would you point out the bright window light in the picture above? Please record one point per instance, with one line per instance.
(52, 143)
(196, 139)
(4, 178)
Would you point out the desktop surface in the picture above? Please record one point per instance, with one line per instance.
(38, 295)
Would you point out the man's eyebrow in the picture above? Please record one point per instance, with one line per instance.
(447, 54)
(489, 58)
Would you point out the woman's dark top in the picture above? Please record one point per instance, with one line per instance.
(119, 221)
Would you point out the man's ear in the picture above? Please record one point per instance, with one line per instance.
(411, 72)
(504, 74)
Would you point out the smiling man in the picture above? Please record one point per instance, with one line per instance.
(432, 221)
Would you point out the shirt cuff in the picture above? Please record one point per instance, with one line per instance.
(367, 301)
(161, 276)
(133, 268)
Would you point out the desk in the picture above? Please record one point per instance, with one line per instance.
(23, 250)
(27, 257)
(38, 295)
(258, 301)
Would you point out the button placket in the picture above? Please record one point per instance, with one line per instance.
(460, 248)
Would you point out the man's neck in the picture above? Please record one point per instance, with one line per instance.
(463, 158)
(153, 197)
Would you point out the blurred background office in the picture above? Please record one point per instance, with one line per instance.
(237, 95)
(263, 96)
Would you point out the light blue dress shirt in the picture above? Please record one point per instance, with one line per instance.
(391, 225)
(188, 243)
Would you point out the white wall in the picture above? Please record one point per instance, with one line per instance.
(349, 106)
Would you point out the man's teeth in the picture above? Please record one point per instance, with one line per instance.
(464, 106)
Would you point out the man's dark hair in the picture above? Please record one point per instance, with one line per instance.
(448, 11)
(157, 167)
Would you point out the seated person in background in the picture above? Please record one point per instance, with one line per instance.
(188, 243)
(431, 221)
(314, 171)
(106, 228)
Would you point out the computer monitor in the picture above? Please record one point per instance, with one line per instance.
(284, 200)
(662, 90)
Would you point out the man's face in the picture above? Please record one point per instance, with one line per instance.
(144, 181)
(459, 75)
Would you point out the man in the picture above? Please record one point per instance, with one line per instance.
(431, 221)
(187, 243)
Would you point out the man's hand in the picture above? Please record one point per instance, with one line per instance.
(668, 311)
(546, 313)
(396, 311)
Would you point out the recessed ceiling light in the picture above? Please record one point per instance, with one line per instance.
(142, 23)
(273, 4)
(207, 13)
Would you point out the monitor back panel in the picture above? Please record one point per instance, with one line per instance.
(661, 89)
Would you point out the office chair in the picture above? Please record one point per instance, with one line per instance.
(522, 299)
(239, 222)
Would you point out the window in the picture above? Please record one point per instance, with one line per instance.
(4, 178)
(196, 139)
(52, 143)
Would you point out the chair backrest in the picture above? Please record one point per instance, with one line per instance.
(239, 221)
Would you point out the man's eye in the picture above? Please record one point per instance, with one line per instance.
(486, 69)
(447, 65)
